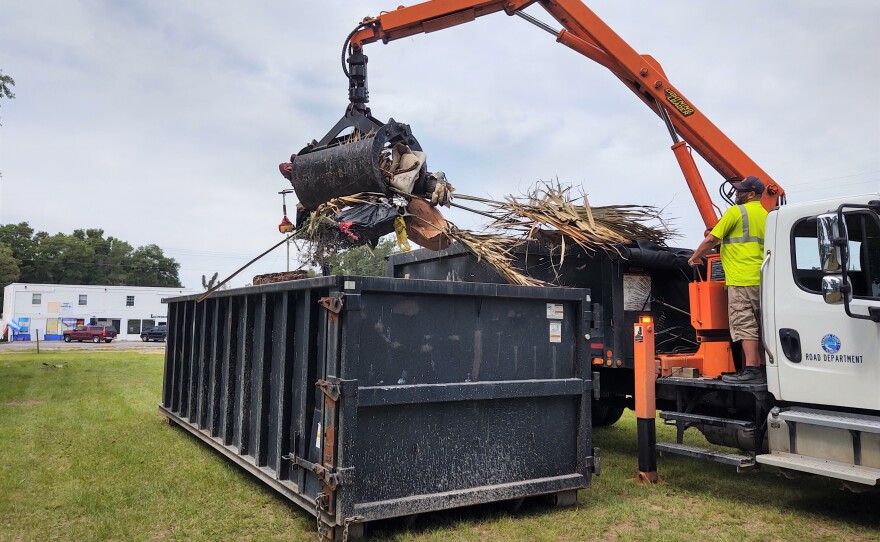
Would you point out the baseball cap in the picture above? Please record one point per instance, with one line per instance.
(750, 183)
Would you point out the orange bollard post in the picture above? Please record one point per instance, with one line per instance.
(646, 404)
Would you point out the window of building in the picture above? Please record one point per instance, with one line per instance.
(83, 299)
(863, 268)
(134, 327)
(129, 301)
(36, 299)
(147, 323)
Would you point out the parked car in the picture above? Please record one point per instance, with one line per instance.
(155, 333)
(95, 334)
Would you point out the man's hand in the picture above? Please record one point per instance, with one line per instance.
(709, 242)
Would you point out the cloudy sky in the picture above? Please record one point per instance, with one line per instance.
(163, 122)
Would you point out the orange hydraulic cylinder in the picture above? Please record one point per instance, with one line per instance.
(695, 183)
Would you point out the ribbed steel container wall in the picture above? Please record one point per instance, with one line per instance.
(617, 303)
(388, 396)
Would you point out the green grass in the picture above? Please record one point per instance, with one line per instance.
(85, 455)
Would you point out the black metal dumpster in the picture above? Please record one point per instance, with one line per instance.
(641, 279)
(369, 398)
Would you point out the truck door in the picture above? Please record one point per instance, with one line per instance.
(822, 356)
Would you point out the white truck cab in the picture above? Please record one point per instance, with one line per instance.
(820, 295)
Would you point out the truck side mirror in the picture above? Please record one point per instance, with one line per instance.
(833, 291)
(829, 253)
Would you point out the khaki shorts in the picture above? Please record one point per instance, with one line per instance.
(744, 312)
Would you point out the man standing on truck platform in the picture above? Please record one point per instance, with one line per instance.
(740, 232)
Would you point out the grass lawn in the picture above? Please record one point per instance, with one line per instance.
(85, 455)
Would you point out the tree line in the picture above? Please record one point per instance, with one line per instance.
(84, 257)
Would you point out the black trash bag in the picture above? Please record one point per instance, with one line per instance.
(367, 222)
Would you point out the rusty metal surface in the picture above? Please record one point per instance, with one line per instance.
(270, 278)
(392, 397)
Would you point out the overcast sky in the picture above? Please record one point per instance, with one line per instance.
(164, 122)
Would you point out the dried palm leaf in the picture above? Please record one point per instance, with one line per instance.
(549, 205)
(496, 251)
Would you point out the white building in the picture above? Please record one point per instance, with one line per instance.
(49, 309)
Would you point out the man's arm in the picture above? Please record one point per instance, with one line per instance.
(709, 243)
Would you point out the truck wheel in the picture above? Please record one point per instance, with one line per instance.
(604, 415)
(96, 339)
(108, 341)
(145, 338)
(67, 338)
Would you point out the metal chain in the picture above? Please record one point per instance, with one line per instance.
(319, 508)
(347, 522)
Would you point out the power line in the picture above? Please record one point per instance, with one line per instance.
(833, 178)
(187, 251)
(813, 189)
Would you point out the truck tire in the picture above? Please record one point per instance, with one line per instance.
(145, 338)
(96, 339)
(605, 414)
(108, 341)
(67, 338)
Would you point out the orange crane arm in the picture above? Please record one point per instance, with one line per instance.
(584, 32)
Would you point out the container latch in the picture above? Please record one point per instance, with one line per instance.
(594, 462)
(333, 303)
(332, 478)
(334, 387)
(330, 388)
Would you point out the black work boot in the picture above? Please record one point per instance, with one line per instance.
(749, 375)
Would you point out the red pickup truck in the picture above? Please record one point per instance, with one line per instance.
(95, 334)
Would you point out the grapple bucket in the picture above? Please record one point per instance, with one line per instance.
(344, 165)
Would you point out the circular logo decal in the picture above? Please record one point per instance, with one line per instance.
(831, 343)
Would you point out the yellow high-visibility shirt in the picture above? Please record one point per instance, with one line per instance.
(741, 230)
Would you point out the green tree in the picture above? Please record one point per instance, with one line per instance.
(153, 268)
(19, 238)
(9, 270)
(86, 257)
(110, 257)
(363, 260)
(5, 83)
